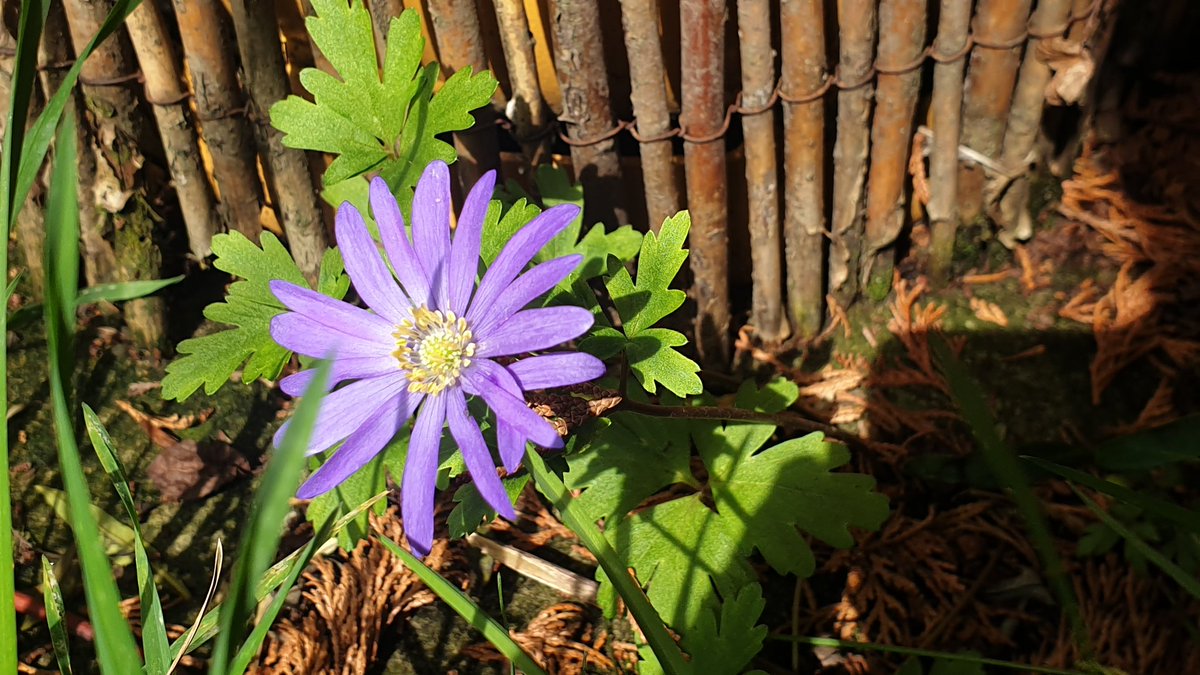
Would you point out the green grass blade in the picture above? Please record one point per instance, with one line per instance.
(12, 285)
(23, 80)
(967, 395)
(468, 610)
(643, 612)
(1189, 582)
(116, 649)
(56, 618)
(260, 540)
(928, 653)
(154, 631)
(124, 290)
(1185, 518)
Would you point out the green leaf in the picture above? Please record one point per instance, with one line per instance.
(56, 618)
(470, 511)
(499, 225)
(1178, 441)
(360, 487)
(653, 359)
(377, 120)
(210, 361)
(729, 646)
(650, 299)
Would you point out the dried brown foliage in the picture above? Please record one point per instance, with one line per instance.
(564, 641)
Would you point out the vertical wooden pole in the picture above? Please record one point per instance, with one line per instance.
(648, 93)
(988, 92)
(266, 82)
(1011, 198)
(460, 45)
(802, 24)
(166, 93)
(901, 45)
(856, 30)
(579, 59)
(108, 79)
(382, 12)
(208, 45)
(762, 182)
(945, 108)
(526, 109)
(702, 25)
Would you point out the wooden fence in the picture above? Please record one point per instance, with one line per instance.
(796, 131)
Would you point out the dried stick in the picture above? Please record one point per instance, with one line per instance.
(121, 198)
(220, 106)
(526, 109)
(758, 86)
(382, 12)
(856, 30)
(945, 107)
(648, 93)
(579, 59)
(265, 77)
(703, 113)
(1024, 122)
(900, 46)
(167, 95)
(803, 64)
(988, 93)
(460, 45)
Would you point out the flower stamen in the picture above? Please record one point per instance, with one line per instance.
(433, 347)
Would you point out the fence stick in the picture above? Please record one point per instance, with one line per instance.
(702, 25)
(460, 45)
(758, 85)
(901, 43)
(208, 46)
(167, 96)
(856, 30)
(382, 12)
(108, 79)
(1011, 197)
(802, 24)
(579, 60)
(648, 93)
(287, 171)
(527, 109)
(953, 21)
(989, 91)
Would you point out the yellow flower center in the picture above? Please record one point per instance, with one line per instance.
(433, 347)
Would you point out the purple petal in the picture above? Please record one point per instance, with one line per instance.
(305, 336)
(464, 252)
(395, 241)
(489, 380)
(370, 275)
(476, 455)
(420, 475)
(359, 449)
(528, 287)
(518, 252)
(533, 329)
(431, 227)
(350, 407)
(340, 371)
(511, 445)
(556, 370)
(332, 313)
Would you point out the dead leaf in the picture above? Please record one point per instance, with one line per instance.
(1073, 69)
(187, 471)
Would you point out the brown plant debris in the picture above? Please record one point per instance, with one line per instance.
(989, 312)
(564, 641)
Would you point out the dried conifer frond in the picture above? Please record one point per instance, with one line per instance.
(564, 641)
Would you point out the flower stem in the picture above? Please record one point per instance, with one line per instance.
(665, 648)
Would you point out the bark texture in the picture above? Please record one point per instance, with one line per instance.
(953, 23)
(526, 109)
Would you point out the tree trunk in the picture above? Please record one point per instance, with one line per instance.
(953, 21)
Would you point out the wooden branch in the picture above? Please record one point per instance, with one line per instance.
(900, 44)
(382, 13)
(953, 22)
(766, 249)
(265, 78)
(703, 113)
(221, 108)
(648, 93)
(583, 78)
(167, 95)
(802, 25)
(526, 109)
(856, 30)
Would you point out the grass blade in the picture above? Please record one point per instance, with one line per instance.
(115, 646)
(261, 537)
(928, 653)
(154, 630)
(1185, 518)
(1189, 582)
(184, 643)
(124, 290)
(12, 285)
(56, 618)
(635, 599)
(467, 609)
(967, 395)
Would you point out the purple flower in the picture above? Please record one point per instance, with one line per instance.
(431, 340)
